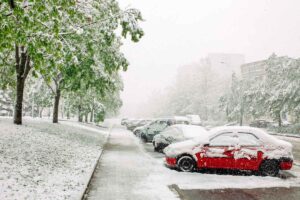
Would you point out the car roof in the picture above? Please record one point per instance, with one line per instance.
(261, 134)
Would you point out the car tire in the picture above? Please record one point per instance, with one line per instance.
(269, 168)
(186, 163)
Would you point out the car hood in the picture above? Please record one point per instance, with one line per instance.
(278, 149)
(187, 146)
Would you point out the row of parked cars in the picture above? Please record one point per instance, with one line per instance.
(189, 146)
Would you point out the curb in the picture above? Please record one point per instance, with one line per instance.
(86, 190)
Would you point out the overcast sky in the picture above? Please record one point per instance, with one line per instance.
(179, 32)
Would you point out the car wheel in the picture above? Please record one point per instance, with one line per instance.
(269, 168)
(186, 164)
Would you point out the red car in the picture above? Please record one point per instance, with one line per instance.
(232, 147)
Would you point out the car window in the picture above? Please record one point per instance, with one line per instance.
(157, 127)
(248, 139)
(224, 139)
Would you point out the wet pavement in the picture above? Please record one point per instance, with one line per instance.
(119, 170)
(241, 194)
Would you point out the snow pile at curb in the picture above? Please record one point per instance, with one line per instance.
(46, 161)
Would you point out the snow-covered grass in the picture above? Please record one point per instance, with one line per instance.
(41, 160)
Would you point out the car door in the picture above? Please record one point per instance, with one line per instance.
(249, 154)
(219, 153)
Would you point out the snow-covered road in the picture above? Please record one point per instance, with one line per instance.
(129, 169)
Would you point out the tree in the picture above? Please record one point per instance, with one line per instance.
(30, 35)
(49, 37)
(281, 86)
(233, 102)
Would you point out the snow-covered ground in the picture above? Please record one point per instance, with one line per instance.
(41, 160)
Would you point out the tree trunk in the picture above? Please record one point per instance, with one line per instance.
(19, 100)
(86, 118)
(68, 114)
(56, 106)
(279, 120)
(62, 108)
(22, 69)
(92, 115)
(241, 116)
(79, 113)
(41, 112)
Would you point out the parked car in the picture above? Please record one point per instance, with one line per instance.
(261, 123)
(232, 147)
(138, 130)
(194, 119)
(176, 133)
(136, 123)
(124, 121)
(159, 125)
(152, 129)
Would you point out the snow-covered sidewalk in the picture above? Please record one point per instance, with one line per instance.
(41, 160)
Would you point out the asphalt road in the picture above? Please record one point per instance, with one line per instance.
(242, 194)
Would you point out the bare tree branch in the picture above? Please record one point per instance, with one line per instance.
(49, 86)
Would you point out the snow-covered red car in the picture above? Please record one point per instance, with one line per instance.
(232, 147)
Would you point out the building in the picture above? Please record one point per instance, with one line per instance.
(226, 64)
(255, 70)
(217, 69)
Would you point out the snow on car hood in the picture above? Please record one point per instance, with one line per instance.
(278, 149)
(186, 146)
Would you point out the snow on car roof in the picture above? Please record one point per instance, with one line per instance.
(261, 134)
(191, 131)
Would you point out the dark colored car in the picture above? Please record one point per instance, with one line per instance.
(159, 125)
(176, 133)
(137, 123)
(260, 123)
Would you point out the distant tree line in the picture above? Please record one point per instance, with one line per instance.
(200, 90)
(274, 95)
